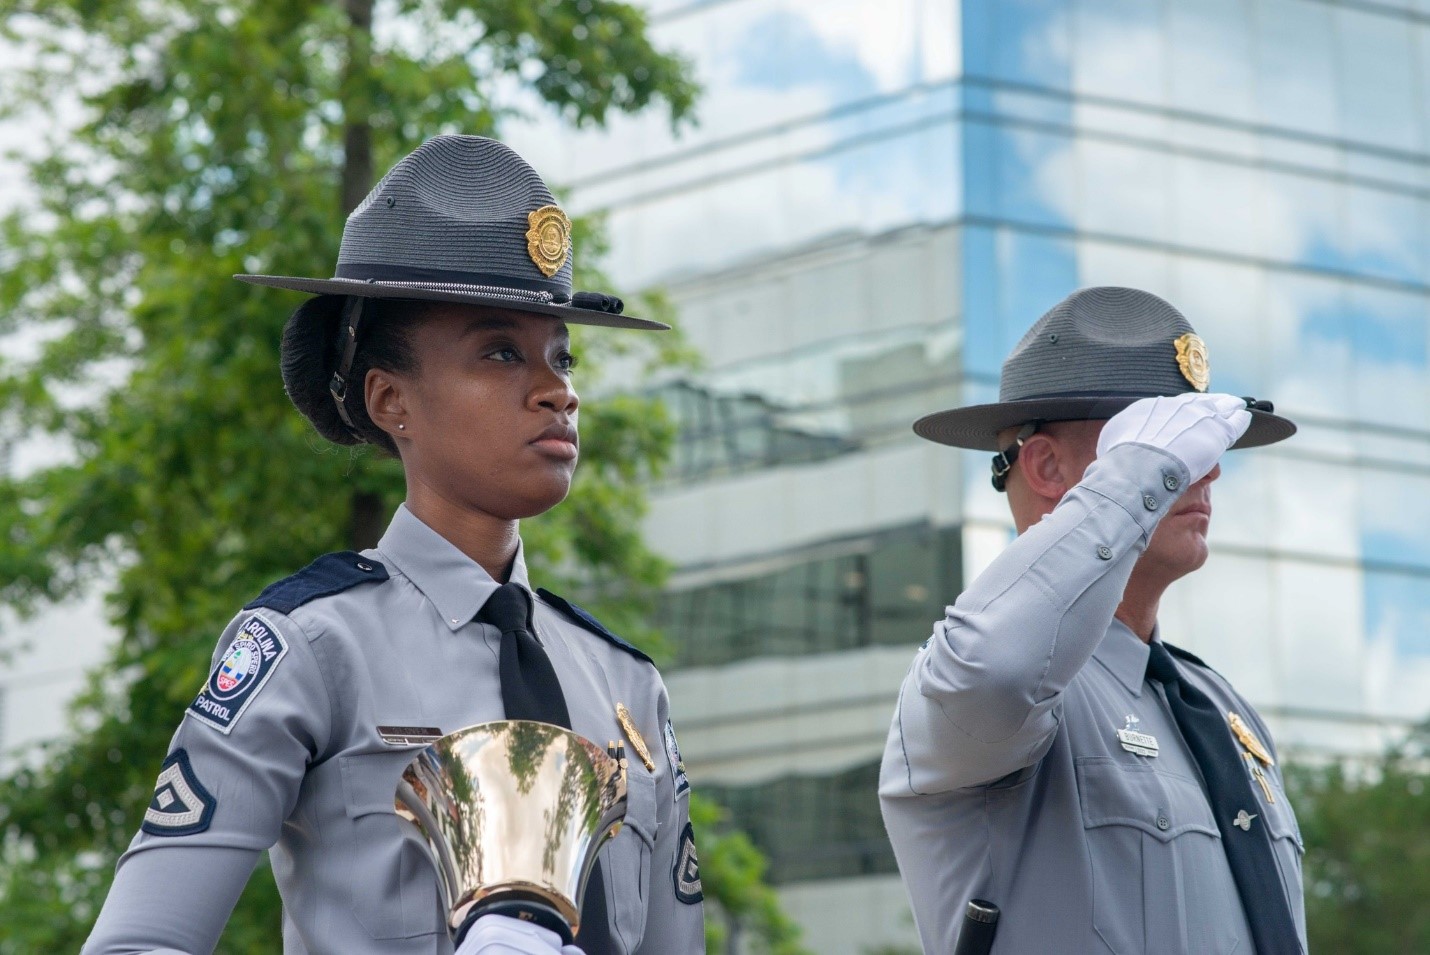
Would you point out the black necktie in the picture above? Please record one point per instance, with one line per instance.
(529, 687)
(531, 691)
(1248, 850)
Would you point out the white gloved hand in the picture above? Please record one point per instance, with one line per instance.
(502, 935)
(1194, 428)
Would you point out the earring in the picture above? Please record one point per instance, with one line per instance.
(402, 427)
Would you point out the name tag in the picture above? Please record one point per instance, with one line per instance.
(409, 735)
(1140, 743)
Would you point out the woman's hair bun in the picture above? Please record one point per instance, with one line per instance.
(308, 358)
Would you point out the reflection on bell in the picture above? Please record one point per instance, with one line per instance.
(512, 814)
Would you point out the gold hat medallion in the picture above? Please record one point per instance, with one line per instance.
(1192, 360)
(1248, 739)
(548, 240)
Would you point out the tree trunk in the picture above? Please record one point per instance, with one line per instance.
(357, 133)
(367, 512)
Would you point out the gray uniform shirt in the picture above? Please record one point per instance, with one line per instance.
(1004, 777)
(282, 751)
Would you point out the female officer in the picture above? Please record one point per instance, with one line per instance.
(442, 339)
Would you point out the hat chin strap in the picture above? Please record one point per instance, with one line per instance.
(1003, 460)
(338, 384)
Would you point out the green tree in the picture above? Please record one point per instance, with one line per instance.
(1367, 862)
(223, 136)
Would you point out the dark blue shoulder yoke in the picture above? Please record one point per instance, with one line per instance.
(580, 616)
(1189, 657)
(328, 575)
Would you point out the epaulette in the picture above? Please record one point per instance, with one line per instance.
(328, 575)
(1189, 657)
(583, 618)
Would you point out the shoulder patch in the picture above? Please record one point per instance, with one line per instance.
(245, 666)
(583, 618)
(677, 765)
(328, 575)
(181, 805)
(687, 869)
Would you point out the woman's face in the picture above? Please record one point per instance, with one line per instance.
(489, 412)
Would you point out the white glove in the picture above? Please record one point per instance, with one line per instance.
(501, 935)
(1195, 429)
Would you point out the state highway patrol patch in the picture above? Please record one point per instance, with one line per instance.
(687, 869)
(181, 805)
(677, 765)
(245, 666)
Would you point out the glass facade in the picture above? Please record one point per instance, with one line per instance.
(848, 594)
(882, 196)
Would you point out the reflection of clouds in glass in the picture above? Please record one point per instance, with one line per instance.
(897, 42)
(1397, 662)
(869, 189)
(782, 51)
(1120, 51)
(1395, 517)
(759, 63)
(695, 208)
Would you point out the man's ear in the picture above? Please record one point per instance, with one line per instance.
(383, 392)
(1041, 460)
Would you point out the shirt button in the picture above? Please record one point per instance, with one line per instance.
(1170, 482)
(1163, 822)
(1104, 552)
(1149, 502)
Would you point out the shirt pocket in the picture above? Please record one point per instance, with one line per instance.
(627, 862)
(393, 884)
(1160, 879)
(1286, 843)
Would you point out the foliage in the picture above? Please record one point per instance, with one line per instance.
(1367, 862)
(223, 136)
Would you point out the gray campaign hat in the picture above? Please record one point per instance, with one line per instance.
(1090, 356)
(462, 219)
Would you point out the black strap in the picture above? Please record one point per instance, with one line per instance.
(347, 345)
(1004, 460)
(1247, 843)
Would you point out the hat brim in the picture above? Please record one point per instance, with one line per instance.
(977, 426)
(451, 293)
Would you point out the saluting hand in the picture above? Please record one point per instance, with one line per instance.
(501, 935)
(1194, 428)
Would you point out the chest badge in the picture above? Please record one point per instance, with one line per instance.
(628, 725)
(1248, 739)
(1141, 744)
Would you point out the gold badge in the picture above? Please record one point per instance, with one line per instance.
(549, 239)
(1192, 359)
(1248, 739)
(623, 716)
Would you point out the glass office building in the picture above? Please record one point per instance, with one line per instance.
(880, 198)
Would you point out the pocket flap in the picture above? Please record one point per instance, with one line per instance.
(640, 806)
(1162, 804)
(370, 781)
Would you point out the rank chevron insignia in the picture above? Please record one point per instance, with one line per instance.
(687, 869)
(181, 806)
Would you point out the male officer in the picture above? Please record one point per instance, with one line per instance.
(1049, 752)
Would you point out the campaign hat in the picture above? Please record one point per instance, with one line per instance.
(1090, 356)
(462, 219)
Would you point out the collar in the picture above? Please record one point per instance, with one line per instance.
(1124, 654)
(457, 585)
